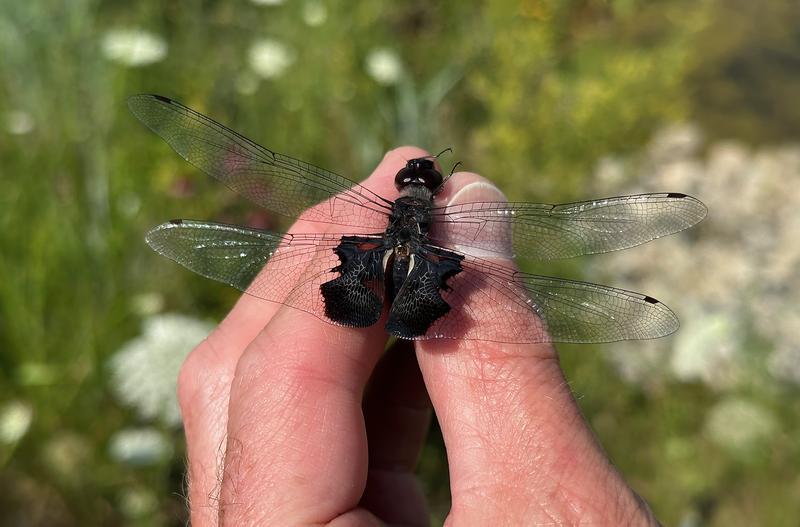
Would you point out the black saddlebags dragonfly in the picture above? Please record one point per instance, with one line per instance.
(444, 271)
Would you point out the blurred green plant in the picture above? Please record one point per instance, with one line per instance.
(566, 82)
(748, 72)
(531, 93)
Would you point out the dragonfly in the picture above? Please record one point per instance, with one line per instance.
(423, 268)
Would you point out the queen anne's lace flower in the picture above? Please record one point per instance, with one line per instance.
(314, 13)
(739, 425)
(15, 420)
(133, 47)
(384, 66)
(139, 446)
(706, 349)
(730, 273)
(19, 122)
(145, 370)
(270, 58)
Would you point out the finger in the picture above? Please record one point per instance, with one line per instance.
(206, 375)
(519, 451)
(397, 412)
(204, 390)
(296, 440)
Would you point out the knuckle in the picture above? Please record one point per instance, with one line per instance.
(199, 373)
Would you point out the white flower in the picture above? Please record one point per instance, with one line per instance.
(314, 13)
(133, 47)
(139, 446)
(731, 274)
(706, 349)
(19, 122)
(638, 363)
(270, 58)
(145, 370)
(384, 66)
(678, 140)
(609, 171)
(738, 424)
(15, 420)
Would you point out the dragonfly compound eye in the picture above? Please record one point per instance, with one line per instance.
(420, 171)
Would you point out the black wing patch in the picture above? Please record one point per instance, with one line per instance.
(355, 297)
(419, 302)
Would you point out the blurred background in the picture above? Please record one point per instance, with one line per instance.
(554, 100)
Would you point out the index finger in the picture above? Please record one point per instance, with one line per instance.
(296, 438)
(206, 375)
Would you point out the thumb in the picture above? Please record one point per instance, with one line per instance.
(518, 449)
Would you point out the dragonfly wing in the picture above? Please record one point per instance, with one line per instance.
(550, 232)
(288, 269)
(493, 302)
(274, 181)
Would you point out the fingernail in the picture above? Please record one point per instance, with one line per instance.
(477, 191)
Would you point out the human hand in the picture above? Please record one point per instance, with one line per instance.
(281, 431)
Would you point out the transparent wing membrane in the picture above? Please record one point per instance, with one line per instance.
(287, 269)
(274, 181)
(548, 232)
(496, 303)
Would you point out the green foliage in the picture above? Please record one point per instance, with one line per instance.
(748, 72)
(565, 83)
(529, 93)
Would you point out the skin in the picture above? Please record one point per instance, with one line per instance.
(293, 421)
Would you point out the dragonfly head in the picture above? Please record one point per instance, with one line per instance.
(418, 171)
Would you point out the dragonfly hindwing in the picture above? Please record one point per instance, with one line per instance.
(355, 297)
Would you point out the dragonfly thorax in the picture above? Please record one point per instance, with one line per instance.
(409, 221)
